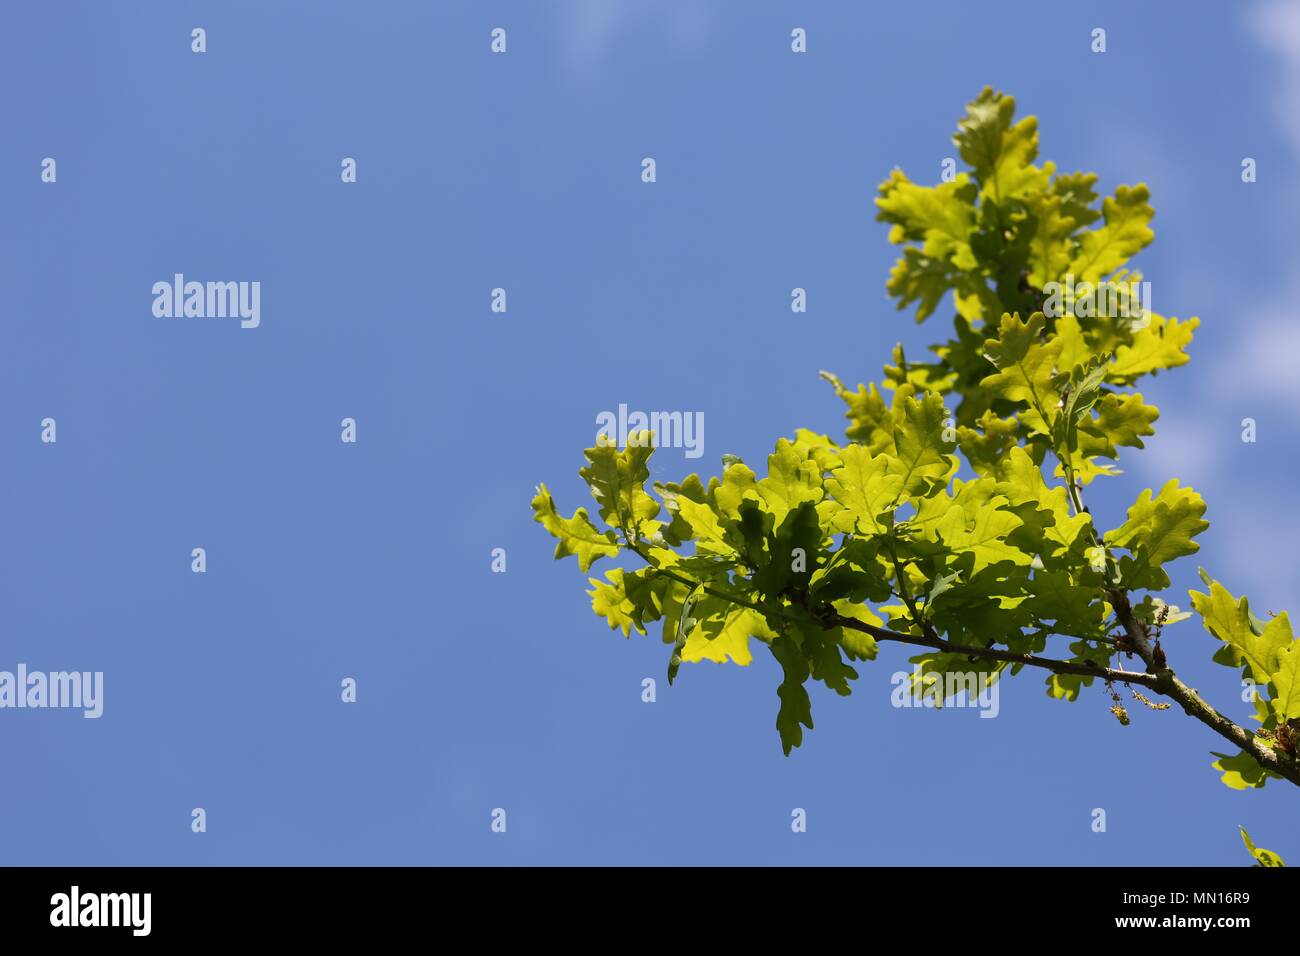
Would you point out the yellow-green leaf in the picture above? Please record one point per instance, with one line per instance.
(1158, 530)
(1229, 619)
(1160, 344)
(1286, 679)
(865, 488)
(1125, 233)
(577, 535)
(1262, 857)
(1026, 369)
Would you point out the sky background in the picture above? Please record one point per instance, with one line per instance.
(325, 560)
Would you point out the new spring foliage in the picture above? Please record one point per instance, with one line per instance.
(953, 506)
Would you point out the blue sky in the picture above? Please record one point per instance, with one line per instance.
(479, 690)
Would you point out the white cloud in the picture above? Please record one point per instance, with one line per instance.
(1256, 371)
(1263, 361)
(1275, 25)
(1181, 448)
(1261, 364)
(597, 25)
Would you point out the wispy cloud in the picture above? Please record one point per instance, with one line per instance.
(598, 25)
(1267, 339)
(1255, 375)
(1268, 344)
(1275, 25)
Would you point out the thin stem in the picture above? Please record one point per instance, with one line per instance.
(1085, 668)
(900, 575)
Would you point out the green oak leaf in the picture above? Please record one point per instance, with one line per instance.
(1126, 232)
(1044, 511)
(691, 487)
(1075, 349)
(1081, 394)
(1286, 680)
(1159, 345)
(722, 632)
(1229, 619)
(788, 553)
(795, 712)
(1242, 772)
(1158, 529)
(921, 458)
(820, 448)
(617, 480)
(1077, 195)
(867, 490)
(857, 645)
(706, 528)
(1262, 857)
(791, 480)
(1051, 248)
(577, 535)
(941, 217)
(1026, 369)
(974, 526)
(922, 376)
(610, 601)
(1000, 153)
(1071, 609)
(1122, 420)
(871, 420)
(986, 447)
(738, 482)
